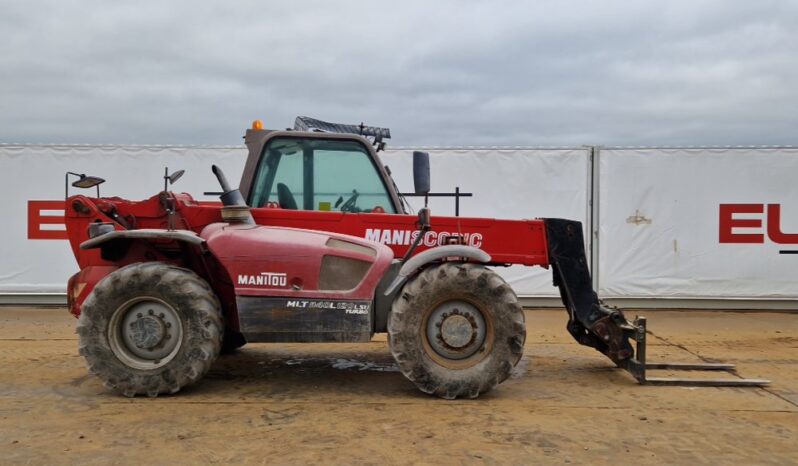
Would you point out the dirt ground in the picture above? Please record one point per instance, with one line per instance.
(347, 404)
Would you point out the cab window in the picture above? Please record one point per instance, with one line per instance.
(318, 174)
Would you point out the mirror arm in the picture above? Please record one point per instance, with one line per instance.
(424, 227)
(66, 183)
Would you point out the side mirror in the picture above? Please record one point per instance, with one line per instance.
(176, 176)
(421, 176)
(86, 182)
(83, 181)
(170, 178)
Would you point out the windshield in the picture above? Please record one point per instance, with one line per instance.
(319, 174)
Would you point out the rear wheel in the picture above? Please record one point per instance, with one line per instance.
(150, 328)
(456, 330)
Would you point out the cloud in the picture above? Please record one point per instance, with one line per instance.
(442, 73)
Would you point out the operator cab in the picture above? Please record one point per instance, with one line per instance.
(319, 174)
(316, 171)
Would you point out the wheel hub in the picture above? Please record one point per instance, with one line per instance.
(456, 330)
(145, 333)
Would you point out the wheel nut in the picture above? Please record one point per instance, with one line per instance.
(139, 315)
(168, 336)
(168, 325)
(151, 312)
(161, 315)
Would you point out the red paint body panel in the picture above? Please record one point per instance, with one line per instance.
(82, 283)
(292, 258)
(507, 241)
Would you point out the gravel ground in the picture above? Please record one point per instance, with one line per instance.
(348, 404)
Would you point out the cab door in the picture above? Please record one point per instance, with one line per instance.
(319, 174)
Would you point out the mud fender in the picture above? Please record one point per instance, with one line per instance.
(430, 255)
(146, 234)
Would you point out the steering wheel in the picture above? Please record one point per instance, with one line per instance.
(285, 198)
(349, 205)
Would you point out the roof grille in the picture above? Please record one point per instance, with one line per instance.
(304, 123)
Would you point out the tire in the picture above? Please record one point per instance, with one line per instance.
(425, 341)
(150, 328)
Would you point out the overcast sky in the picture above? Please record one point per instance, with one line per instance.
(436, 72)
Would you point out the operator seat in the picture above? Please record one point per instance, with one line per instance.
(285, 198)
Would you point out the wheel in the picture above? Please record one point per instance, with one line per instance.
(456, 330)
(150, 328)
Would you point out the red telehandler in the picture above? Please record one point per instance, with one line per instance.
(317, 245)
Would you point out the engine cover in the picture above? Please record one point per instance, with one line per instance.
(295, 285)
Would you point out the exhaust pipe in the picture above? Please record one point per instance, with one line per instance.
(234, 207)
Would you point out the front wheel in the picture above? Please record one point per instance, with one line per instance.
(456, 330)
(150, 328)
